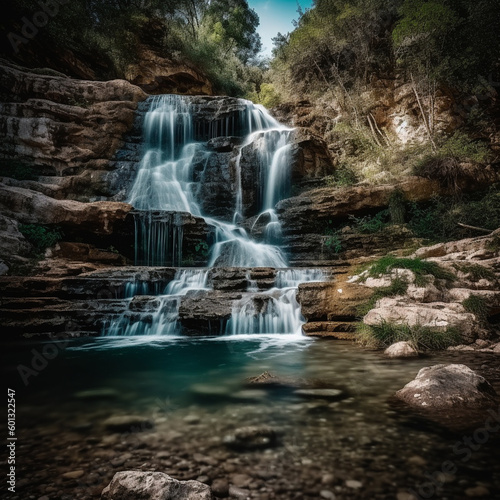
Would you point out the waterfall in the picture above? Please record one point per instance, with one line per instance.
(174, 140)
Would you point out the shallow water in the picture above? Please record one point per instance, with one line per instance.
(360, 445)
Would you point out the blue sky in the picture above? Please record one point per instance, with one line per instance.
(275, 16)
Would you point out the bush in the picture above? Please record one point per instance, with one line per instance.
(444, 164)
(370, 223)
(420, 337)
(40, 237)
(477, 306)
(438, 219)
(343, 176)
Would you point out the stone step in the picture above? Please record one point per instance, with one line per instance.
(331, 329)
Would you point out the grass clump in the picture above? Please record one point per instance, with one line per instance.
(40, 237)
(398, 286)
(419, 337)
(477, 306)
(420, 268)
(476, 271)
(370, 224)
(343, 176)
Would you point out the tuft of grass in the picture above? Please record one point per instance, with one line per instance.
(494, 244)
(398, 286)
(420, 337)
(370, 224)
(421, 268)
(476, 271)
(343, 176)
(477, 306)
(40, 237)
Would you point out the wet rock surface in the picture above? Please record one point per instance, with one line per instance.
(448, 386)
(135, 485)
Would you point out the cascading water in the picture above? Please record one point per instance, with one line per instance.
(164, 186)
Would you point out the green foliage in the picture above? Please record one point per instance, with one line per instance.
(475, 272)
(477, 306)
(397, 207)
(419, 267)
(333, 242)
(397, 287)
(343, 176)
(494, 244)
(40, 237)
(444, 164)
(437, 220)
(202, 249)
(17, 170)
(267, 96)
(420, 337)
(370, 224)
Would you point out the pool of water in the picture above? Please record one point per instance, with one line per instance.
(189, 396)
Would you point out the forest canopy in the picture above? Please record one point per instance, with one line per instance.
(219, 37)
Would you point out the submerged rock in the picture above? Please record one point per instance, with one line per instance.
(446, 387)
(319, 393)
(401, 350)
(251, 437)
(128, 423)
(135, 485)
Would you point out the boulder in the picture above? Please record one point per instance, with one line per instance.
(136, 485)
(448, 387)
(401, 350)
(156, 74)
(61, 125)
(331, 301)
(436, 315)
(31, 207)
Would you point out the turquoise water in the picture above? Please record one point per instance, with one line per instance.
(194, 393)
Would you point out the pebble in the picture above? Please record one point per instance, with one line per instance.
(318, 393)
(416, 460)
(352, 483)
(403, 495)
(477, 491)
(130, 423)
(220, 487)
(73, 474)
(236, 492)
(241, 480)
(329, 495)
(103, 393)
(328, 479)
(191, 419)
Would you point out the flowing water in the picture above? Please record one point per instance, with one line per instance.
(164, 187)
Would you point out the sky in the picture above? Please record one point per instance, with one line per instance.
(275, 16)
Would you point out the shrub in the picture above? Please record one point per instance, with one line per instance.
(438, 219)
(420, 337)
(444, 164)
(370, 224)
(343, 176)
(397, 207)
(477, 306)
(40, 237)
